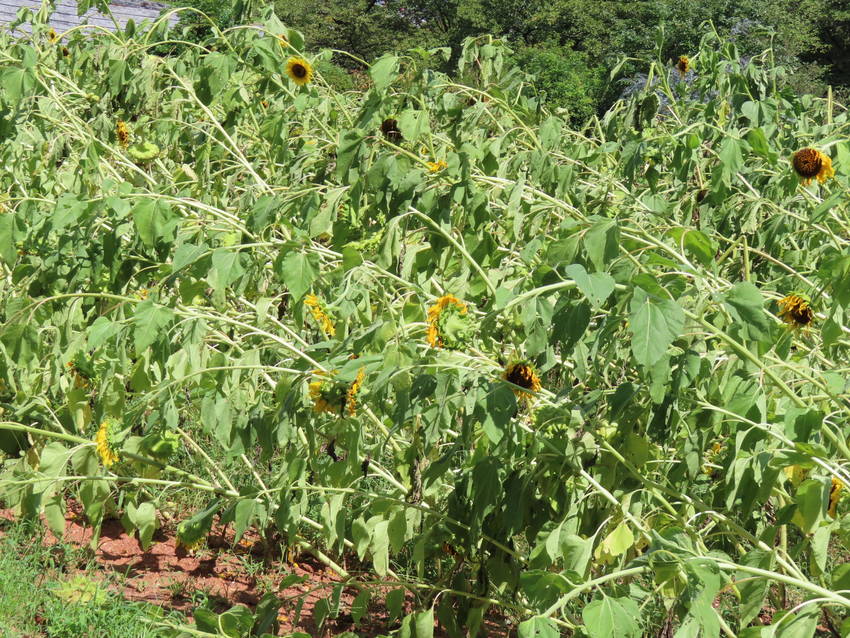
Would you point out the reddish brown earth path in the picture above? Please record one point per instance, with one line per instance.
(176, 579)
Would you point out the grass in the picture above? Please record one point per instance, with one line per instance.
(40, 598)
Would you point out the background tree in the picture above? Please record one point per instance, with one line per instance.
(571, 45)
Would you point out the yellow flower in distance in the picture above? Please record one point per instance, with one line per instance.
(299, 70)
(834, 496)
(524, 375)
(320, 315)
(52, 36)
(122, 133)
(108, 455)
(809, 163)
(436, 167)
(795, 311)
(683, 65)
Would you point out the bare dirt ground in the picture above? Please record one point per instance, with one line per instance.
(224, 573)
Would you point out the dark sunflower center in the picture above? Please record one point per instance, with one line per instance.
(389, 128)
(299, 71)
(520, 375)
(807, 162)
(802, 314)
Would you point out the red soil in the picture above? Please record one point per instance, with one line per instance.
(176, 579)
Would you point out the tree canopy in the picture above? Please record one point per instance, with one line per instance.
(571, 45)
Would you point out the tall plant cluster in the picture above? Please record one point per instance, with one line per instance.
(480, 364)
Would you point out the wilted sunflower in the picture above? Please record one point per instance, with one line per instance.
(189, 537)
(353, 389)
(81, 379)
(389, 128)
(796, 311)
(330, 396)
(522, 374)
(436, 167)
(810, 163)
(299, 70)
(122, 133)
(448, 323)
(796, 474)
(710, 466)
(317, 309)
(683, 65)
(834, 496)
(105, 447)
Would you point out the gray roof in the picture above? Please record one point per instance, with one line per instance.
(65, 15)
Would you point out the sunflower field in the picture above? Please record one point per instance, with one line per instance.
(484, 366)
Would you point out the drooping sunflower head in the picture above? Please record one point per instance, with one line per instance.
(449, 325)
(810, 163)
(82, 370)
(834, 495)
(523, 375)
(299, 70)
(353, 389)
(320, 314)
(331, 395)
(796, 310)
(106, 442)
(796, 474)
(327, 395)
(190, 535)
(122, 133)
(389, 127)
(683, 65)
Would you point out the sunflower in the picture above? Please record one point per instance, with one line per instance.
(325, 396)
(436, 167)
(683, 65)
(796, 311)
(333, 397)
(189, 537)
(389, 127)
(351, 394)
(104, 440)
(710, 466)
(299, 71)
(319, 312)
(52, 36)
(796, 474)
(834, 496)
(81, 380)
(810, 163)
(449, 325)
(122, 133)
(523, 375)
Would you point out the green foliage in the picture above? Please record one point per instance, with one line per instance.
(337, 77)
(254, 307)
(566, 79)
(362, 28)
(33, 601)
